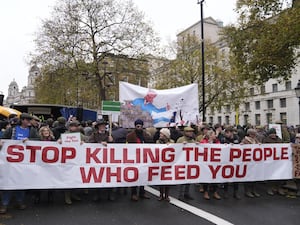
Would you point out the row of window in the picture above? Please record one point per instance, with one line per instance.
(288, 86)
(270, 105)
(269, 119)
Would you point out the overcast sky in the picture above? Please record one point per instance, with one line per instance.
(20, 19)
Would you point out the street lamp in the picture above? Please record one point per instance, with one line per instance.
(202, 61)
(297, 90)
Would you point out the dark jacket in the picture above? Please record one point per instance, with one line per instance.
(57, 131)
(97, 137)
(119, 134)
(268, 139)
(227, 140)
(133, 138)
(33, 133)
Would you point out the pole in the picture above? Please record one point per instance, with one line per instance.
(202, 60)
(299, 109)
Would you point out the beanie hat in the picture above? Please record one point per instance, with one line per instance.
(166, 132)
(61, 120)
(138, 122)
(272, 131)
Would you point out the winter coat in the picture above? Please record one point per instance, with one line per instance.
(133, 138)
(33, 133)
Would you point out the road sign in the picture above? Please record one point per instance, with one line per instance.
(111, 107)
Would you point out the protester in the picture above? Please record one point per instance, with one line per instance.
(164, 138)
(188, 137)
(140, 136)
(297, 138)
(60, 127)
(231, 138)
(102, 136)
(210, 138)
(23, 132)
(88, 129)
(273, 186)
(251, 187)
(45, 135)
(119, 133)
(35, 122)
(204, 128)
(73, 127)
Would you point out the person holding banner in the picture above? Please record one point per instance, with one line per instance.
(138, 135)
(23, 132)
(73, 127)
(273, 186)
(230, 138)
(210, 138)
(188, 137)
(164, 138)
(102, 136)
(45, 135)
(250, 187)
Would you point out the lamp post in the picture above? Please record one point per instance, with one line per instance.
(297, 90)
(202, 59)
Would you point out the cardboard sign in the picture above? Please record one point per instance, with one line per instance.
(68, 138)
(296, 161)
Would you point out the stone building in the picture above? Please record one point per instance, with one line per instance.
(27, 94)
(271, 102)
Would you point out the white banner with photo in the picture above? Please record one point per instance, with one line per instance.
(158, 108)
(47, 165)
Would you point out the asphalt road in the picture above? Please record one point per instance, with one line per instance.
(265, 210)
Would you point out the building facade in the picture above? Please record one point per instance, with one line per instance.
(27, 94)
(272, 102)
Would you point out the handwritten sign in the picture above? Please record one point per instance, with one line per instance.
(296, 160)
(68, 138)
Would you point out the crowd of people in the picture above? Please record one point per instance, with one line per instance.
(29, 127)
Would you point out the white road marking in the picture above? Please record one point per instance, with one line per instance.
(198, 212)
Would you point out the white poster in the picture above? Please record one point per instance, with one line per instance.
(158, 108)
(43, 165)
(74, 138)
(277, 127)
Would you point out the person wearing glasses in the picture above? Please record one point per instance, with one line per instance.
(140, 136)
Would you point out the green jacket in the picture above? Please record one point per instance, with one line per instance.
(185, 139)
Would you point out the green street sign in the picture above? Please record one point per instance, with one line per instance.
(111, 106)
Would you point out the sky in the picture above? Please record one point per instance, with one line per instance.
(19, 20)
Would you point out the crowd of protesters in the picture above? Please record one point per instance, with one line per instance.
(29, 127)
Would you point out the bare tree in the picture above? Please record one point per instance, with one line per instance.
(81, 33)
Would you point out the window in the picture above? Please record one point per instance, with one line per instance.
(288, 85)
(227, 120)
(246, 117)
(219, 109)
(247, 106)
(212, 110)
(263, 89)
(257, 119)
(270, 104)
(257, 105)
(219, 119)
(269, 117)
(251, 91)
(211, 120)
(283, 118)
(227, 108)
(274, 87)
(282, 102)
